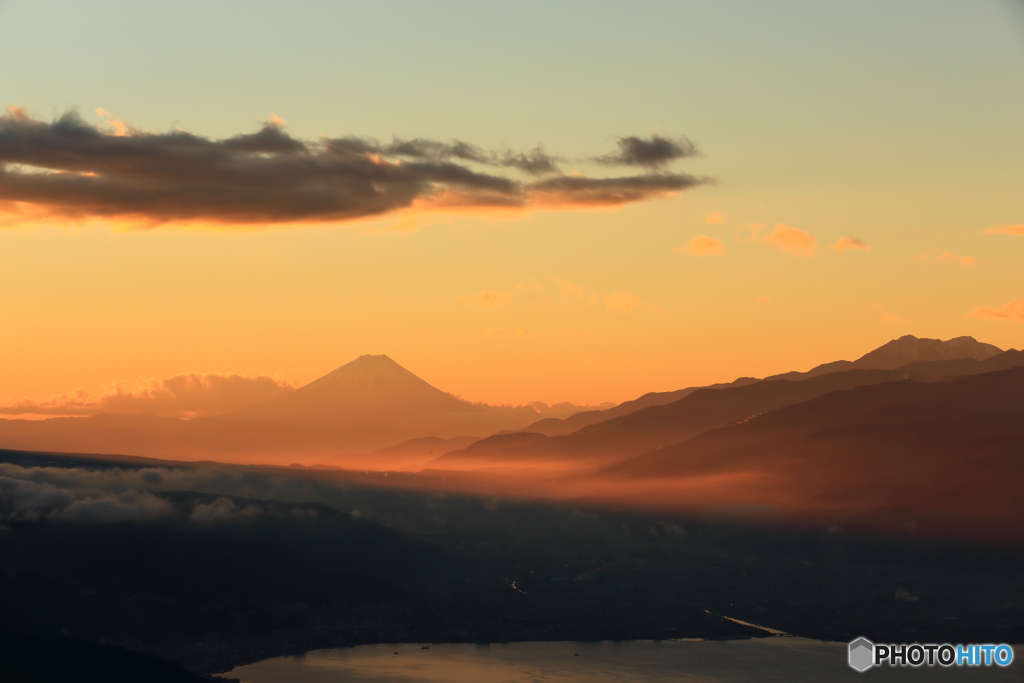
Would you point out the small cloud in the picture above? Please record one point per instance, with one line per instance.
(623, 301)
(763, 299)
(714, 218)
(894, 319)
(943, 256)
(846, 243)
(791, 240)
(651, 152)
(783, 238)
(1006, 230)
(530, 286)
(18, 113)
(525, 334)
(487, 298)
(1011, 310)
(702, 245)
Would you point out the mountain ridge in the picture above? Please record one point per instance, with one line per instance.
(891, 355)
(702, 410)
(355, 392)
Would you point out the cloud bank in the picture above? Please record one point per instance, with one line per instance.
(1011, 310)
(33, 494)
(114, 495)
(71, 169)
(181, 396)
(1006, 230)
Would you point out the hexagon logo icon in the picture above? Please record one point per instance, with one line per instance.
(862, 654)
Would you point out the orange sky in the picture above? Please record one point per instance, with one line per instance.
(853, 183)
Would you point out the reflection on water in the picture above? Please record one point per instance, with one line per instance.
(789, 660)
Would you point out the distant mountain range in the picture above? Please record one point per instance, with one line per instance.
(891, 355)
(373, 413)
(702, 409)
(904, 351)
(368, 404)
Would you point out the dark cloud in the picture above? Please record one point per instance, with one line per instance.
(652, 152)
(534, 162)
(613, 191)
(70, 168)
(433, 150)
(270, 139)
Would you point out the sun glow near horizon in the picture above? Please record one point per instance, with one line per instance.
(203, 221)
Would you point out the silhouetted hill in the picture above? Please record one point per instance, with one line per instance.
(557, 427)
(700, 411)
(650, 427)
(313, 529)
(904, 351)
(139, 585)
(891, 355)
(515, 568)
(949, 449)
(26, 658)
(898, 403)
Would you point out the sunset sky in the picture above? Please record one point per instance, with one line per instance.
(653, 195)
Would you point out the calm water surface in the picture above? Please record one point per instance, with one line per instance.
(766, 660)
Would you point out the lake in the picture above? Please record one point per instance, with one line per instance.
(765, 660)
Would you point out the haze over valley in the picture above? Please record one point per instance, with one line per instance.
(931, 414)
